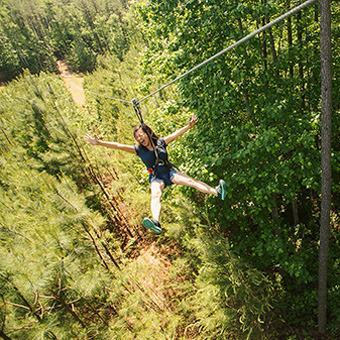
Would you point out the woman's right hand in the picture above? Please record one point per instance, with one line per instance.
(92, 140)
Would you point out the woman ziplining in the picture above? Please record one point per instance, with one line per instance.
(152, 151)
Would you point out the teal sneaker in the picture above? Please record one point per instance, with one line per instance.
(221, 190)
(152, 225)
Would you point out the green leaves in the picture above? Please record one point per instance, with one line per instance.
(35, 35)
(259, 129)
(238, 296)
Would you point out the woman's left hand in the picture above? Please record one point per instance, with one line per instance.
(192, 121)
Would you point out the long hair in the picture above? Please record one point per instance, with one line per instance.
(148, 131)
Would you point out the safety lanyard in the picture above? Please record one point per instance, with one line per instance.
(138, 112)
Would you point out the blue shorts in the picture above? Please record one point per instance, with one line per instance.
(165, 177)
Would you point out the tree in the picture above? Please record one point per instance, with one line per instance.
(326, 136)
(34, 34)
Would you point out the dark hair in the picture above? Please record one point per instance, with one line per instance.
(148, 131)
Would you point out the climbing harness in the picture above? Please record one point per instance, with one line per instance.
(153, 171)
(136, 103)
(158, 162)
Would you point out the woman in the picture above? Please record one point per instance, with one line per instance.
(164, 173)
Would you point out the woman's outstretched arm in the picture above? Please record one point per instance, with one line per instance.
(192, 121)
(113, 145)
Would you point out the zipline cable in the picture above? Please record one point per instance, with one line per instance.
(239, 42)
(101, 95)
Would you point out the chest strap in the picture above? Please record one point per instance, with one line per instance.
(153, 171)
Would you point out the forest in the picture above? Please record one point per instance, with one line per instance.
(75, 260)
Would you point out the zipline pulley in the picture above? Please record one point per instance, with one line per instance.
(138, 111)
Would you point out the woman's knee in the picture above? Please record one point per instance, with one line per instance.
(157, 190)
(156, 195)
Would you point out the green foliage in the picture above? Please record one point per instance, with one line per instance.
(239, 297)
(59, 262)
(34, 34)
(43, 234)
(36, 126)
(64, 274)
(71, 267)
(259, 128)
(81, 57)
(69, 285)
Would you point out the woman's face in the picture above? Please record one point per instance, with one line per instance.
(142, 138)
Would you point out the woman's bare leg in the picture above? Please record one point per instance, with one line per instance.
(183, 179)
(157, 188)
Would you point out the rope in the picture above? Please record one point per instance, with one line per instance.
(101, 95)
(241, 41)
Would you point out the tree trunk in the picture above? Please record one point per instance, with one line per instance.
(295, 212)
(245, 80)
(290, 41)
(69, 309)
(4, 336)
(326, 121)
(300, 28)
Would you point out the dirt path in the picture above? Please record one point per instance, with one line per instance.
(73, 82)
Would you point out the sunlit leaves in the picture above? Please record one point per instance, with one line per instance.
(258, 110)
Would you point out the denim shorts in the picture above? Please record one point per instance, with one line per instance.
(165, 177)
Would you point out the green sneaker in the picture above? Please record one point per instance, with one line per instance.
(152, 225)
(221, 190)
